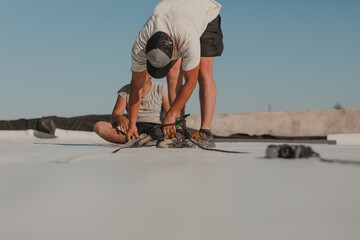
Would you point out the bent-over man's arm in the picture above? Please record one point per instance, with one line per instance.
(166, 102)
(136, 85)
(191, 78)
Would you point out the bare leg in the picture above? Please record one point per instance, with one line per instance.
(207, 91)
(175, 82)
(107, 132)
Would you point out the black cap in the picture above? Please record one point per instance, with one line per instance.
(159, 50)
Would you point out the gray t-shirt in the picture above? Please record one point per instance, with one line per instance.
(184, 21)
(151, 109)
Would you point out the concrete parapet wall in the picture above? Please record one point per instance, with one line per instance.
(285, 124)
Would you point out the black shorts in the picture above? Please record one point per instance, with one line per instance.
(212, 39)
(144, 127)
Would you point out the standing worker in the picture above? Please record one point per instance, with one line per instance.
(180, 39)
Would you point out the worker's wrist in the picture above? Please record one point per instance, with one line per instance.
(117, 118)
(171, 113)
(132, 124)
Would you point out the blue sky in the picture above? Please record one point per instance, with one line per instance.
(69, 57)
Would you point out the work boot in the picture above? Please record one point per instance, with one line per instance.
(185, 138)
(172, 141)
(204, 138)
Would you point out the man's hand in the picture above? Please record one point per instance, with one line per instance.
(169, 119)
(120, 123)
(123, 124)
(132, 133)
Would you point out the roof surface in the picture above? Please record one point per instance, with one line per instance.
(75, 188)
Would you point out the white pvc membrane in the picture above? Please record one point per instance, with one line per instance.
(73, 187)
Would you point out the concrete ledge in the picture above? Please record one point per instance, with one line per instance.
(345, 139)
(284, 124)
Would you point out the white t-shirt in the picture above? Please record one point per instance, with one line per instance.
(184, 21)
(151, 109)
